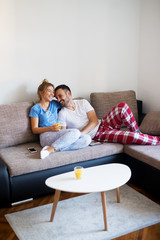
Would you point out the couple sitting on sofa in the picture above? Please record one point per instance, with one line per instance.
(79, 123)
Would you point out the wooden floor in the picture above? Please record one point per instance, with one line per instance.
(6, 232)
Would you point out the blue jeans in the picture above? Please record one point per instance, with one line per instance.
(66, 139)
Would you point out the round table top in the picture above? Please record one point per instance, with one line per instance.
(95, 179)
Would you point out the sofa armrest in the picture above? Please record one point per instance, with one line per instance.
(141, 115)
(4, 185)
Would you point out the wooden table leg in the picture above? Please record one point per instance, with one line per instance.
(118, 195)
(103, 196)
(56, 198)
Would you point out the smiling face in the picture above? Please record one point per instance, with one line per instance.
(47, 94)
(63, 97)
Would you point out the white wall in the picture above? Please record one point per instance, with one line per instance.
(91, 45)
(149, 55)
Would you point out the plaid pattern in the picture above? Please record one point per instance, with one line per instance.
(109, 129)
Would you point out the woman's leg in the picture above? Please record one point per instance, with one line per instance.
(82, 142)
(47, 138)
(56, 141)
(67, 139)
(126, 137)
(119, 114)
(60, 139)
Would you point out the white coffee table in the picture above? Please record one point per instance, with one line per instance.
(95, 179)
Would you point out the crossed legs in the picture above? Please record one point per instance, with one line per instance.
(109, 129)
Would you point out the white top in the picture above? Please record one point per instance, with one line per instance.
(95, 179)
(78, 118)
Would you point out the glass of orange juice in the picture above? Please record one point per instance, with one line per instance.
(78, 172)
(59, 125)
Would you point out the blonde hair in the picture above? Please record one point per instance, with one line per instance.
(42, 87)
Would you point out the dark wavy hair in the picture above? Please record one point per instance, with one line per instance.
(63, 87)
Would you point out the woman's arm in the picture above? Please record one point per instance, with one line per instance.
(38, 130)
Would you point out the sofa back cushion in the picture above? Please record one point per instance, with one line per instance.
(15, 125)
(151, 123)
(103, 102)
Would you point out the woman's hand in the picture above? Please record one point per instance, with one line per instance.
(55, 127)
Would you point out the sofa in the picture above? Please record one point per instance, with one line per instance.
(23, 174)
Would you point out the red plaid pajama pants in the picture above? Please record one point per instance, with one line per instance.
(109, 129)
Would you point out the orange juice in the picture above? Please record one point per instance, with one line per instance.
(78, 173)
(59, 125)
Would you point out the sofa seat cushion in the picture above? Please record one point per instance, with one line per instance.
(147, 154)
(20, 161)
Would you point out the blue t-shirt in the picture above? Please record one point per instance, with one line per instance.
(46, 118)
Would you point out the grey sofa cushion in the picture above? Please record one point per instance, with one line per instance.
(103, 102)
(147, 154)
(15, 124)
(20, 161)
(151, 123)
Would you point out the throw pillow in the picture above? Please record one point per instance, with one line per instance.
(151, 123)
